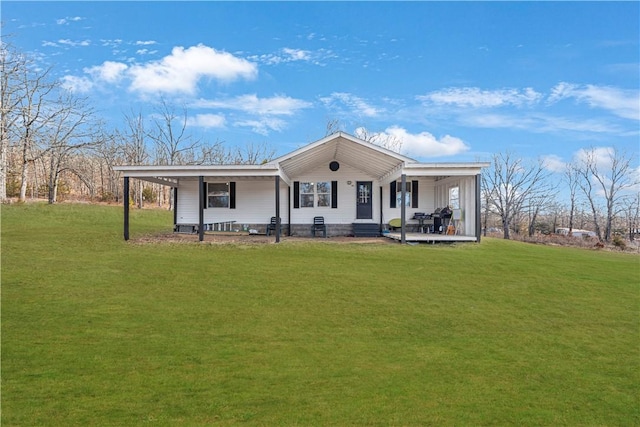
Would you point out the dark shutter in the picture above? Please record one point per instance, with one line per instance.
(414, 194)
(204, 195)
(232, 195)
(392, 194)
(334, 194)
(296, 194)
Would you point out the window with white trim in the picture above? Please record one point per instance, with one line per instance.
(218, 195)
(315, 194)
(407, 197)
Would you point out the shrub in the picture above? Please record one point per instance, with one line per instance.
(619, 242)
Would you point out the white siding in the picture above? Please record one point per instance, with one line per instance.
(255, 203)
(255, 200)
(187, 204)
(345, 213)
(467, 186)
(426, 200)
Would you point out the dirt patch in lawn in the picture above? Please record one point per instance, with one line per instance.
(230, 238)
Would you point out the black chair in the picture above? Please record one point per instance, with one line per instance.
(318, 225)
(272, 225)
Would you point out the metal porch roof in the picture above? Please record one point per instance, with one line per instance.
(378, 162)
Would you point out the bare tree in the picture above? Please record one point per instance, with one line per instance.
(510, 184)
(134, 146)
(11, 67)
(170, 137)
(605, 174)
(207, 154)
(109, 153)
(382, 139)
(538, 202)
(333, 126)
(69, 129)
(572, 177)
(33, 93)
(252, 154)
(632, 215)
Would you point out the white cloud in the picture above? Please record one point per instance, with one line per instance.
(297, 54)
(602, 156)
(207, 120)
(424, 144)
(621, 102)
(264, 125)
(277, 105)
(111, 43)
(286, 55)
(146, 52)
(356, 104)
(473, 97)
(65, 21)
(77, 84)
(145, 42)
(181, 71)
(109, 71)
(74, 43)
(554, 163)
(536, 122)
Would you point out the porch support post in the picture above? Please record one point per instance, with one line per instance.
(175, 208)
(277, 183)
(126, 208)
(201, 208)
(289, 210)
(478, 209)
(403, 210)
(380, 209)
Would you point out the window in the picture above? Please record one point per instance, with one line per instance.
(407, 197)
(218, 195)
(454, 197)
(324, 194)
(310, 192)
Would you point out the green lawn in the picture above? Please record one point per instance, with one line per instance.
(98, 332)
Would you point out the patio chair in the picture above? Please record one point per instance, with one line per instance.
(395, 224)
(318, 225)
(272, 225)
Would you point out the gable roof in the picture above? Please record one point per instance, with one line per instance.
(371, 159)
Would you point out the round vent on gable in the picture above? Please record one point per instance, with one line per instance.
(334, 166)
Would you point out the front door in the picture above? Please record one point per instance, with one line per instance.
(364, 200)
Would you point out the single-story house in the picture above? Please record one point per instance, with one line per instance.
(357, 188)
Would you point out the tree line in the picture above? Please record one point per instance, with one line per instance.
(601, 194)
(53, 143)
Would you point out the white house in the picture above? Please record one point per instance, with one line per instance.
(355, 186)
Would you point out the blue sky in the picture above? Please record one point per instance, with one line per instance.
(455, 81)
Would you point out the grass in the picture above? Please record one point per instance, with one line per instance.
(98, 331)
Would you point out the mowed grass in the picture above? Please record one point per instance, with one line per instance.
(100, 332)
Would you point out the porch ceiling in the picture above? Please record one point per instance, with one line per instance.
(370, 159)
